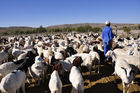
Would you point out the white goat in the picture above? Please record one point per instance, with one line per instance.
(125, 72)
(8, 67)
(39, 50)
(28, 44)
(37, 70)
(13, 81)
(55, 84)
(59, 55)
(16, 52)
(3, 56)
(75, 76)
(47, 52)
(95, 59)
(135, 51)
(88, 60)
(134, 60)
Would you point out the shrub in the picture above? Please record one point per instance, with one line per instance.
(67, 29)
(28, 32)
(126, 30)
(5, 33)
(55, 30)
(85, 28)
(88, 28)
(80, 29)
(96, 29)
(40, 29)
(17, 32)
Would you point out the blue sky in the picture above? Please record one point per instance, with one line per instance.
(53, 12)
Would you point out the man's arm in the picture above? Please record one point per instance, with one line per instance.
(111, 35)
(102, 34)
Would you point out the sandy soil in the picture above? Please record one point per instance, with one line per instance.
(98, 83)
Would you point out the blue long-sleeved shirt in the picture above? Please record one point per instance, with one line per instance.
(107, 34)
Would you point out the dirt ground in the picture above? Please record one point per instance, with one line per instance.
(97, 83)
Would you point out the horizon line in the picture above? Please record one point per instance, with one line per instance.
(63, 24)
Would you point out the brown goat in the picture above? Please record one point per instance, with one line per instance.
(57, 66)
(77, 61)
(47, 44)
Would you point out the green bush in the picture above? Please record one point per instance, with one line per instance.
(67, 29)
(85, 28)
(96, 29)
(80, 29)
(88, 28)
(126, 30)
(5, 33)
(55, 30)
(17, 32)
(28, 32)
(40, 30)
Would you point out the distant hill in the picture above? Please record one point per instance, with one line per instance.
(119, 26)
(77, 25)
(101, 25)
(10, 29)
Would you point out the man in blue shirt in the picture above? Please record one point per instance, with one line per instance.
(107, 37)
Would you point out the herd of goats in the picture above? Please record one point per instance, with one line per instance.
(65, 52)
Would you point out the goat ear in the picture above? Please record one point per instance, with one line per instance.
(124, 70)
(122, 67)
(113, 53)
